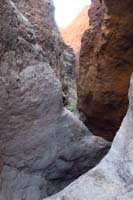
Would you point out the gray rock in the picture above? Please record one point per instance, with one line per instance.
(60, 57)
(69, 61)
(43, 147)
(112, 179)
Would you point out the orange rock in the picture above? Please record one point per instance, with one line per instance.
(106, 63)
(72, 34)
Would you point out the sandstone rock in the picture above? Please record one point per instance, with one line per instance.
(112, 179)
(106, 64)
(43, 147)
(72, 33)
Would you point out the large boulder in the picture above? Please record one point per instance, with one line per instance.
(112, 179)
(43, 147)
(105, 67)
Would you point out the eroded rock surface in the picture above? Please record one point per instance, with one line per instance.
(112, 179)
(106, 64)
(69, 61)
(41, 15)
(43, 147)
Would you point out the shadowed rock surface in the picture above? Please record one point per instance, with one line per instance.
(112, 179)
(43, 147)
(69, 62)
(106, 64)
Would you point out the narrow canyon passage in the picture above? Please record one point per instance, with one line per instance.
(46, 140)
(102, 44)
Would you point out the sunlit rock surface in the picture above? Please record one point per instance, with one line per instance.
(72, 34)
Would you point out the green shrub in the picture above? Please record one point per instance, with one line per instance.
(73, 108)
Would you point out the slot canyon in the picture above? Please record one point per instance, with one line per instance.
(47, 151)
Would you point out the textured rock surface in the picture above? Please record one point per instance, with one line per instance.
(41, 15)
(112, 179)
(43, 147)
(106, 64)
(69, 87)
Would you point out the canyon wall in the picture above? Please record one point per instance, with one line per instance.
(105, 68)
(41, 15)
(43, 147)
(72, 34)
(112, 179)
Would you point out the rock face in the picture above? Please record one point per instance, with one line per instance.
(69, 86)
(41, 15)
(106, 64)
(72, 34)
(112, 179)
(43, 147)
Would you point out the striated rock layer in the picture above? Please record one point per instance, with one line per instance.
(43, 147)
(106, 64)
(112, 179)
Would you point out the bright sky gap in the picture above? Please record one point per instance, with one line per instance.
(67, 10)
